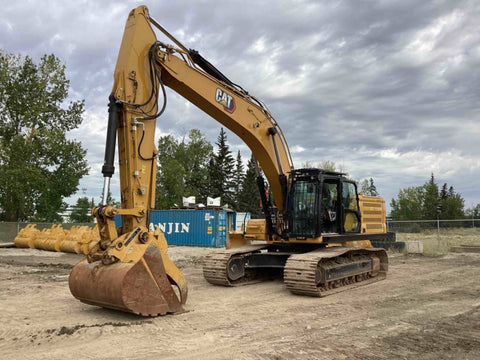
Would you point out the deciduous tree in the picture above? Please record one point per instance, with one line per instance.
(408, 205)
(39, 166)
(196, 155)
(182, 169)
(474, 212)
(81, 211)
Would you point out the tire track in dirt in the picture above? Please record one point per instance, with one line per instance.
(448, 338)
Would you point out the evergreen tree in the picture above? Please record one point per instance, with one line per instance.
(238, 176)
(372, 189)
(249, 197)
(431, 200)
(221, 171)
(452, 205)
(444, 191)
(451, 192)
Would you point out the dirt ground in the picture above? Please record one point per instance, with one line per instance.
(428, 308)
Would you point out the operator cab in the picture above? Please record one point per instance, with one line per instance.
(322, 202)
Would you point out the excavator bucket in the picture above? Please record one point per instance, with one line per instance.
(86, 240)
(26, 237)
(140, 284)
(49, 239)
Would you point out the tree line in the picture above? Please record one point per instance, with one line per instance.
(191, 166)
(427, 201)
(40, 167)
(364, 186)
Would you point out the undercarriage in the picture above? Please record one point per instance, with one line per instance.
(307, 270)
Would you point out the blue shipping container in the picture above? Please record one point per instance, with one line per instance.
(207, 227)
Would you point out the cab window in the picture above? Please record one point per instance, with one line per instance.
(351, 221)
(349, 196)
(304, 214)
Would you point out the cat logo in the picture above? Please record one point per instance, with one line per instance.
(226, 100)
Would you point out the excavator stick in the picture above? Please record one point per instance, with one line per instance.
(133, 277)
(128, 268)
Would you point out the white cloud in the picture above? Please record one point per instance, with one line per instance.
(297, 149)
(387, 91)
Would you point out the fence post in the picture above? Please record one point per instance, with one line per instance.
(438, 231)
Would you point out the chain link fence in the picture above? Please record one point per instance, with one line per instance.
(9, 230)
(416, 226)
(437, 236)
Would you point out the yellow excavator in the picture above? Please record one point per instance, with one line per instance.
(316, 230)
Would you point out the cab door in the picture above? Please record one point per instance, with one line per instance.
(330, 210)
(303, 212)
(350, 208)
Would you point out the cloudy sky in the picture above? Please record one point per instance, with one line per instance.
(385, 89)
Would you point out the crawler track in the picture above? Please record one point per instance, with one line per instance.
(215, 266)
(316, 273)
(327, 271)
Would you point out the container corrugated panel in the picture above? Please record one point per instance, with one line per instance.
(192, 227)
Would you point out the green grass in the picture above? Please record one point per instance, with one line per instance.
(448, 237)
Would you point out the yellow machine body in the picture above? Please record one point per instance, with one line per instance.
(128, 269)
